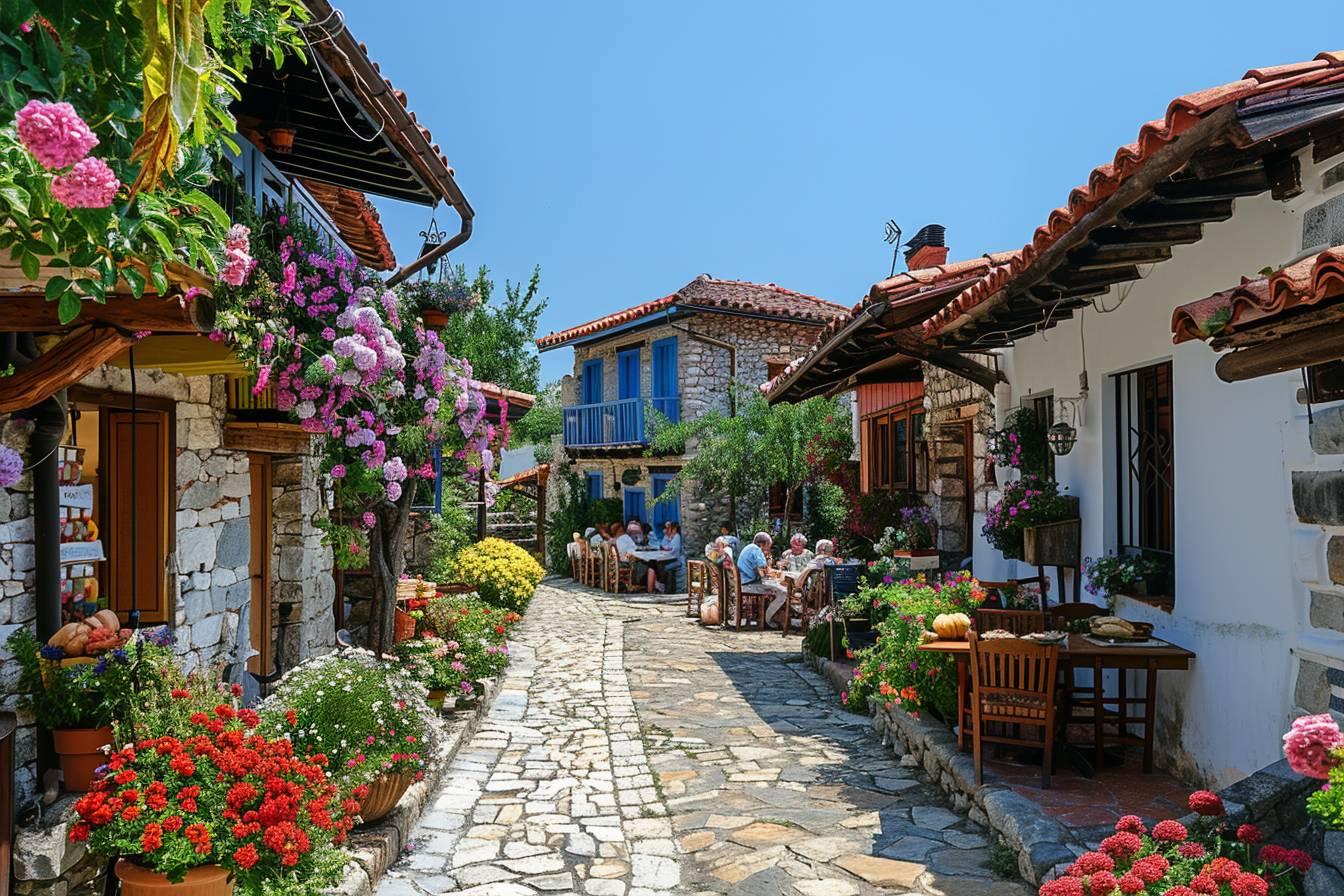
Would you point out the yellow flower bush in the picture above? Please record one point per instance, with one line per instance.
(503, 574)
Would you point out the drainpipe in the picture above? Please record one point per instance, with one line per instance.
(438, 251)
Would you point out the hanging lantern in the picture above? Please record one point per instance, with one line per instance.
(992, 437)
(432, 237)
(1061, 437)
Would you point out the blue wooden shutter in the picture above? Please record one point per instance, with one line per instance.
(595, 486)
(665, 398)
(670, 510)
(634, 504)
(627, 373)
(592, 381)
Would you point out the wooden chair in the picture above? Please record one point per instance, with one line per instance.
(697, 586)
(1015, 586)
(617, 575)
(585, 563)
(739, 596)
(1013, 684)
(805, 599)
(1019, 622)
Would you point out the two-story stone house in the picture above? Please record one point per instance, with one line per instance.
(677, 355)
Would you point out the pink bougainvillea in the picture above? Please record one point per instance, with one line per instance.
(54, 133)
(1309, 742)
(90, 184)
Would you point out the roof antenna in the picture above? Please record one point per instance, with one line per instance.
(893, 239)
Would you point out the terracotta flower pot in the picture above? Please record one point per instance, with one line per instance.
(403, 626)
(207, 880)
(433, 317)
(81, 754)
(384, 794)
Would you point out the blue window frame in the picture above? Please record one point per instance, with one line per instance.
(670, 510)
(594, 486)
(627, 373)
(664, 375)
(592, 381)
(634, 504)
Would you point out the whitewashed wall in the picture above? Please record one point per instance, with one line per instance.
(1241, 557)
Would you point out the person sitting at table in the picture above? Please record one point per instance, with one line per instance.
(754, 566)
(598, 536)
(797, 557)
(671, 542)
(825, 554)
(729, 539)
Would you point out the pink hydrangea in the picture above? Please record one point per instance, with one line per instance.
(90, 184)
(55, 134)
(1309, 742)
(238, 261)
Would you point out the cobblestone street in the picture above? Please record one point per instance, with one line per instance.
(632, 752)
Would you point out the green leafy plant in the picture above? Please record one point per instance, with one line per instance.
(1111, 575)
(1022, 443)
(1030, 501)
(825, 509)
(463, 640)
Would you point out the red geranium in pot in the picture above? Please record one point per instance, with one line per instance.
(201, 809)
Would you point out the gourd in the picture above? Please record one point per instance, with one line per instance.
(107, 619)
(951, 626)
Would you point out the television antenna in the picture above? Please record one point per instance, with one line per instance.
(892, 237)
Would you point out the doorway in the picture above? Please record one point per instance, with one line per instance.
(956, 464)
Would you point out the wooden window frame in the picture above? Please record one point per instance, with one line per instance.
(878, 439)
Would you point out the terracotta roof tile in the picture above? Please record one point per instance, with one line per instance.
(1258, 300)
(1182, 113)
(711, 293)
(358, 222)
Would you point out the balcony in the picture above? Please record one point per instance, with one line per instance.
(608, 424)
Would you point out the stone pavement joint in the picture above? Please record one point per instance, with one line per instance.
(632, 752)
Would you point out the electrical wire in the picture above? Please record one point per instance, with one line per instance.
(331, 37)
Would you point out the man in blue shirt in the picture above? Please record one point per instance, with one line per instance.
(753, 564)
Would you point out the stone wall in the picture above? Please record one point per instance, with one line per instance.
(951, 399)
(304, 589)
(210, 582)
(704, 377)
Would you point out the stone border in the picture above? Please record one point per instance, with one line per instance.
(1273, 798)
(376, 848)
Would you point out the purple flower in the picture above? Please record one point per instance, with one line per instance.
(11, 466)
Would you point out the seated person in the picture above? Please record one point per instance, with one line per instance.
(825, 554)
(626, 545)
(729, 539)
(754, 567)
(797, 557)
(671, 541)
(599, 536)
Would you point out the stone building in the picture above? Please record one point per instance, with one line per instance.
(678, 356)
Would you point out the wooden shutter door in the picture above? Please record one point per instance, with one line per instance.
(259, 567)
(150, 518)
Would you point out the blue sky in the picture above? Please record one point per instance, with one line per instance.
(628, 147)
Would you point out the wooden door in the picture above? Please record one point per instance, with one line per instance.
(956, 463)
(259, 568)
(144, 439)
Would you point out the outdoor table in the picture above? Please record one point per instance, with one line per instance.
(654, 557)
(1081, 653)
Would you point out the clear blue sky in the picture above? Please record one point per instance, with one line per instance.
(628, 147)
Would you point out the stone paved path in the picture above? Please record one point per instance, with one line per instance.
(632, 752)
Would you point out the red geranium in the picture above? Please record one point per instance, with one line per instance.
(1249, 833)
(1206, 803)
(1170, 830)
(216, 793)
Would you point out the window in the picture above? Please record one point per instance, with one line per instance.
(594, 486)
(1044, 408)
(895, 454)
(1144, 468)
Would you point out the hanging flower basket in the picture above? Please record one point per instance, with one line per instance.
(81, 752)
(434, 318)
(384, 793)
(207, 880)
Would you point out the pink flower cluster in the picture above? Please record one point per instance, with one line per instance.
(238, 261)
(1309, 743)
(58, 138)
(54, 133)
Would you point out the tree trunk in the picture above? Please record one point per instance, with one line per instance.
(387, 561)
(788, 513)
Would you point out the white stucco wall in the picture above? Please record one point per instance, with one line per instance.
(1241, 557)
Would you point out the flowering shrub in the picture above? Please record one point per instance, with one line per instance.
(11, 466)
(503, 574)
(464, 640)
(1111, 575)
(451, 296)
(1173, 860)
(220, 794)
(1030, 501)
(916, 529)
(367, 716)
(894, 670)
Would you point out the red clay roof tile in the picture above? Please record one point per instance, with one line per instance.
(358, 222)
(1256, 301)
(711, 293)
(1182, 113)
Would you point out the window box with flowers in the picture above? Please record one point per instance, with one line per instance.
(1034, 522)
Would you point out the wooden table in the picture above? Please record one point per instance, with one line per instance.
(1080, 653)
(654, 557)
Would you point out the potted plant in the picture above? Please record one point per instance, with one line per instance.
(912, 540)
(208, 804)
(1034, 522)
(475, 638)
(436, 300)
(78, 684)
(1122, 574)
(368, 717)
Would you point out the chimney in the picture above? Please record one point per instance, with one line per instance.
(926, 249)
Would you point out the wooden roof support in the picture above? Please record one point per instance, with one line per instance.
(1315, 346)
(34, 314)
(72, 359)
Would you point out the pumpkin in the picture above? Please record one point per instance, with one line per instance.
(63, 635)
(951, 626)
(108, 619)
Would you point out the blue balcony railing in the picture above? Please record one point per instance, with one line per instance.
(609, 423)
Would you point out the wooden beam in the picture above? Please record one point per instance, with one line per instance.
(951, 361)
(1159, 211)
(24, 306)
(266, 438)
(68, 362)
(1285, 175)
(1068, 278)
(1315, 346)
(1250, 181)
(1093, 257)
(1164, 235)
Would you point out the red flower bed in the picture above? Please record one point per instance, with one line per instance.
(218, 794)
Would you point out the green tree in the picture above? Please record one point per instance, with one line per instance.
(744, 454)
(496, 337)
(542, 421)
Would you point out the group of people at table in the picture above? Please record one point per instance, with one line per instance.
(630, 538)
